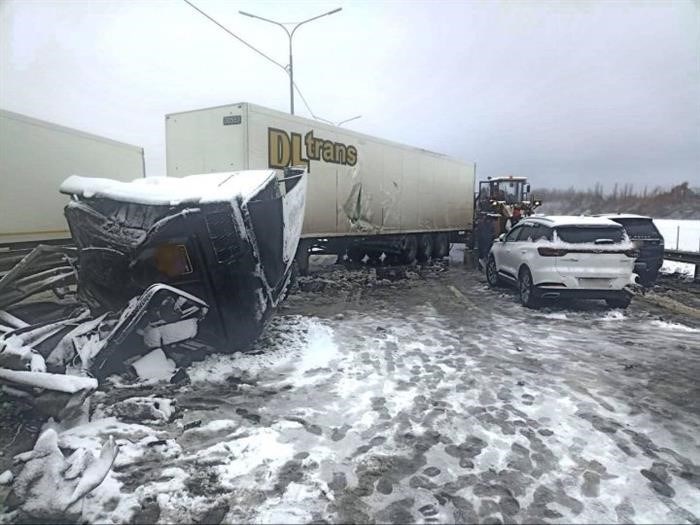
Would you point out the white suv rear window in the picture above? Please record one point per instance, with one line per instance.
(590, 234)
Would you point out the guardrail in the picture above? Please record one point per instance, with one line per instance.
(685, 257)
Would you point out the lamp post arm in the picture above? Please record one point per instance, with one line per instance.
(315, 18)
(290, 67)
(348, 120)
(265, 20)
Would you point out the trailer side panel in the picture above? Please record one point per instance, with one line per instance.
(35, 157)
(357, 184)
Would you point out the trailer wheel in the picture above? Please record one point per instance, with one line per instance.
(374, 257)
(441, 246)
(425, 247)
(356, 254)
(409, 249)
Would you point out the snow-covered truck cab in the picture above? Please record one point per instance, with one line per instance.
(226, 238)
(562, 256)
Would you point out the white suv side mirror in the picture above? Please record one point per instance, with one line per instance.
(502, 237)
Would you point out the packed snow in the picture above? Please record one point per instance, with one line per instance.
(431, 399)
(204, 188)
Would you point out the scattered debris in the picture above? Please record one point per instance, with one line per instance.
(192, 424)
(143, 409)
(355, 275)
(50, 486)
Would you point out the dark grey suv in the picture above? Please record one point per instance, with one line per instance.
(643, 232)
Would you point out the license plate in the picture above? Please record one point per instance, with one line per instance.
(594, 282)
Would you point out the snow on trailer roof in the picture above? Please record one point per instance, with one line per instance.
(574, 220)
(204, 188)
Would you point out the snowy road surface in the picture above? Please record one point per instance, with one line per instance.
(429, 399)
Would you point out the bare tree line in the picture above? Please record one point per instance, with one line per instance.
(677, 202)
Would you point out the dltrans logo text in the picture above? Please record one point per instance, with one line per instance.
(289, 149)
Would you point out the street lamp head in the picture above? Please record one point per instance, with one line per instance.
(334, 11)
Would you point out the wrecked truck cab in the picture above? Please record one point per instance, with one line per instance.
(228, 239)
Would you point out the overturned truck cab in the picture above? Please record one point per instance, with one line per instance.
(228, 239)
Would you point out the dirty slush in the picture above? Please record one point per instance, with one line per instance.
(398, 395)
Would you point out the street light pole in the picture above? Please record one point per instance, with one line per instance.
(290, 35)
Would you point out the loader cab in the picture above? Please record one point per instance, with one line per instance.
(508, 190)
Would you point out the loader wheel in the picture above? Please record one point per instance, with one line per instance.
(409, 249)
(526, 289)
(441, 246)
(492, 276)
(425, 247)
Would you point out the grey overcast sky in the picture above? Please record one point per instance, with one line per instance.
(567, 93)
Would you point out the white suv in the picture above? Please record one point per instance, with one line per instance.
(560, 256)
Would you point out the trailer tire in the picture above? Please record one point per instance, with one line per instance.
(409, 249)
(356, 254)
(425, 247)
(374, 257)
(441, 245)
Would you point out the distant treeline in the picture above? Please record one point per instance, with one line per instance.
(679, 202)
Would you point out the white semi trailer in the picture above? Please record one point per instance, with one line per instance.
(365, 195)
(35, 158)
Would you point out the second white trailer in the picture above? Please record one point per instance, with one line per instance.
(363, 192)
(35, 157)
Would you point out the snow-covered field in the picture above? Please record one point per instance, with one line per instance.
(681, 235)
(428, 399)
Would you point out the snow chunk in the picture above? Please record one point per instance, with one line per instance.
(613, 315)
(155, 365)
(157, 336)
(559, 316)
(50, 485)
(58, 382)
(6, 478)
(15, 355)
